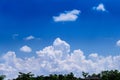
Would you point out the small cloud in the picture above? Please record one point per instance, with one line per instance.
(93, 55)
(30, 38)
(26, 49)
(67, 16)
(118, 43)
(100, 7)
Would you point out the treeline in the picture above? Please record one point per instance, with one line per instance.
(104, 75)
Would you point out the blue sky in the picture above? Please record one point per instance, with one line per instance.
(91, 30)
(27, 26)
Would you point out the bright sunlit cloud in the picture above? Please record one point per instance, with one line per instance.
(118, 43)
(57, 58)
(67, 16)
(30, 37)
(26, 49)
(100, 7)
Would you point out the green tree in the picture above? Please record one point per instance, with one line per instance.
(25, 76)
(60, 77)
(70, 76)
(85, 75)
(2, 77)
(110, 75)
(53, 77)
(39, 77)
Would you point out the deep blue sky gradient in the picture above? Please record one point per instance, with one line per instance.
(92, 32)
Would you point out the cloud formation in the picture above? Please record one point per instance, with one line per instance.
(26, 49)
(100, 7)
(67, 16)
(118, 43)
(57, 58)
(30, 37)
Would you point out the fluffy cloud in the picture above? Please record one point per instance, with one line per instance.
(67, 16)
(100, 7)
(118, 43)
(30, 37)
(25, 49)
(57, 58)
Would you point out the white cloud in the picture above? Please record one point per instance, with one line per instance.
(67, 16)
(95, 55)
(25, 49)
(57, 58)
(118, 43)
(58, 44)
(100, 7)
(59, 49)
(30, 37)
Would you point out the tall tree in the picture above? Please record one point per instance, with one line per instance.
(85, 74)
(2, 77)
(25, 76)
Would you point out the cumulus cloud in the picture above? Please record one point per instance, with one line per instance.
(67, 16)
(100, 7)
(57, 58)
(118, 43)
(26, 49)
(30, 37)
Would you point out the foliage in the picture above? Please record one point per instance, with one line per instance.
(104, 75)
(25, 76)
(2, 77)
(110, 75)
(85, 74)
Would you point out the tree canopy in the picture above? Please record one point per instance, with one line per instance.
(104, 75)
